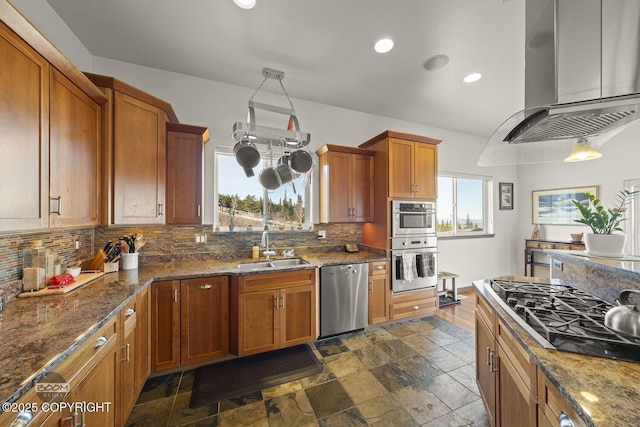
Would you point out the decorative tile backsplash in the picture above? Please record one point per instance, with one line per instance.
(165, 244)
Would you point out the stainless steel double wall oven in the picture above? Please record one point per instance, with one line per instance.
(414, 245)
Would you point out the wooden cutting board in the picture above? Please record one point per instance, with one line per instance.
(82, 279)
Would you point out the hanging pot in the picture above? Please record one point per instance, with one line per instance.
(625, 318)
(286, 175)
(270, 178)
(301, 161)
(246, 154)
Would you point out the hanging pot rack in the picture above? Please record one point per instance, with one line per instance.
(267, 135)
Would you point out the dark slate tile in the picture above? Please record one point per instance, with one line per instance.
(419, 367)
(159, 387)
(396, 349)
(183, 414)
(331, 346)
(154, 413)
(236, 402)
(328, 398)
(393, 377)
(349, 418)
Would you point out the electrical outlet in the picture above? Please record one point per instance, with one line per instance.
(556, 265)
(76, 244)
(322, 234)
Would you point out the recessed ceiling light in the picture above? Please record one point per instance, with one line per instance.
(473, 77)
(245, 4)
(383, 45)
(435, 62)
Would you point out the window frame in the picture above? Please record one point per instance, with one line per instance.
(487, 208)
(307, 195)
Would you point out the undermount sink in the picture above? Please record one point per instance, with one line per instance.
(273, 263)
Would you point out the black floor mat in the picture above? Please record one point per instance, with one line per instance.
(233, 378)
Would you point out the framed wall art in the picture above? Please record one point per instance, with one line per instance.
(556, 206)
(506, 195)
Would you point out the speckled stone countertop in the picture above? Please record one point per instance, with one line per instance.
(604, 392)
(37, 334)
(628, 264)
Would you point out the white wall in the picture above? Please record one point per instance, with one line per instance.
(218, 105)
(620, 160)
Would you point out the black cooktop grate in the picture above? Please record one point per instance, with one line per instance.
(568, 318)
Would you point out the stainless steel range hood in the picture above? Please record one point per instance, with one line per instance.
(581, 80)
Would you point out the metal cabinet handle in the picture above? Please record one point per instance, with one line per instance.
(565, 420)
(370, 287)
(160, 209)
(198, 210)
(129, 312)
(175, 295)
(488, 355)
(127, 352)
(282, 302)
(277, 301)
(100, 342)
(207, 286)
(22, 419)
(416, 307)
(58, 204)
(493, 362)
(82, 420)
(379, 267)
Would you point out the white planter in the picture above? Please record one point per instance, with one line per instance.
(605, 245)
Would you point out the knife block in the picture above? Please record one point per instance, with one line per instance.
(111, 267)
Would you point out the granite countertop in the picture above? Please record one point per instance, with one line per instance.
(628, 264)
(604, 392)
(38, 333)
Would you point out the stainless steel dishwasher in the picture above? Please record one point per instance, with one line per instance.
(343, 298)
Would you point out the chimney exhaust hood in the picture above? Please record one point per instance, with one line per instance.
(581, 80)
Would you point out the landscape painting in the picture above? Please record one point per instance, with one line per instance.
(556, 206)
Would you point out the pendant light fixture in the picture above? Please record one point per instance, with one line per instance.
(583, 151)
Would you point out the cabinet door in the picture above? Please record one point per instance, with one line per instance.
(165, 325)
(258, 319)
(143, 339)
(139, 162)
(516, 406)
(204, 318)
(24, 121)
(425, 171)
(378, 305)
(297, 315)
(401, 168)
(127, 389)
(100, 386)
(339, 192)
(74, 155)
(485, 378)
(362, 188)
(184, 178)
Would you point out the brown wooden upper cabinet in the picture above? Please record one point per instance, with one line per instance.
(411, 163)
(346, 184)
(185, 147)
(50, 133)
(135, 153)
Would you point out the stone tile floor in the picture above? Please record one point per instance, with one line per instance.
(414, 373)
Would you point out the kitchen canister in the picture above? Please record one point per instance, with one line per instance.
(38, 265)
(130, 261)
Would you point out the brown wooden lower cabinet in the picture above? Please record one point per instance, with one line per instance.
(189, 321)
(411, 304)
(272, 310)
(553, 409)
(379, 291)
(505, 373)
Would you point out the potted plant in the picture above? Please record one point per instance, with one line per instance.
(603, 222)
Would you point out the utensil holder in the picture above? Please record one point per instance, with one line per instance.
(130, 261)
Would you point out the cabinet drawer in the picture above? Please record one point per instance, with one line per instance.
(129, 314)
(486, 313)
(562, 246)
(378, 268)
(520, 359)
(413, 308)
(532, 245)
(266, 281)
(545, 245)
(552, 404)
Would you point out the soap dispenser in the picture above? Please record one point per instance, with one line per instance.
(255, 251)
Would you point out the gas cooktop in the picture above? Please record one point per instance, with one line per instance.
(564, 318)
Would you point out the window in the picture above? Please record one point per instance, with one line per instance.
(464, 205)
(632, 217)
(241, 203)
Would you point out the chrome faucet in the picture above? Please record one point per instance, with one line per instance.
(264, 242)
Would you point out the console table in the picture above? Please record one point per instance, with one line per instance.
(536, 262)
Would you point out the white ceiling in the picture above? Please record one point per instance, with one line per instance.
(325, 48)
